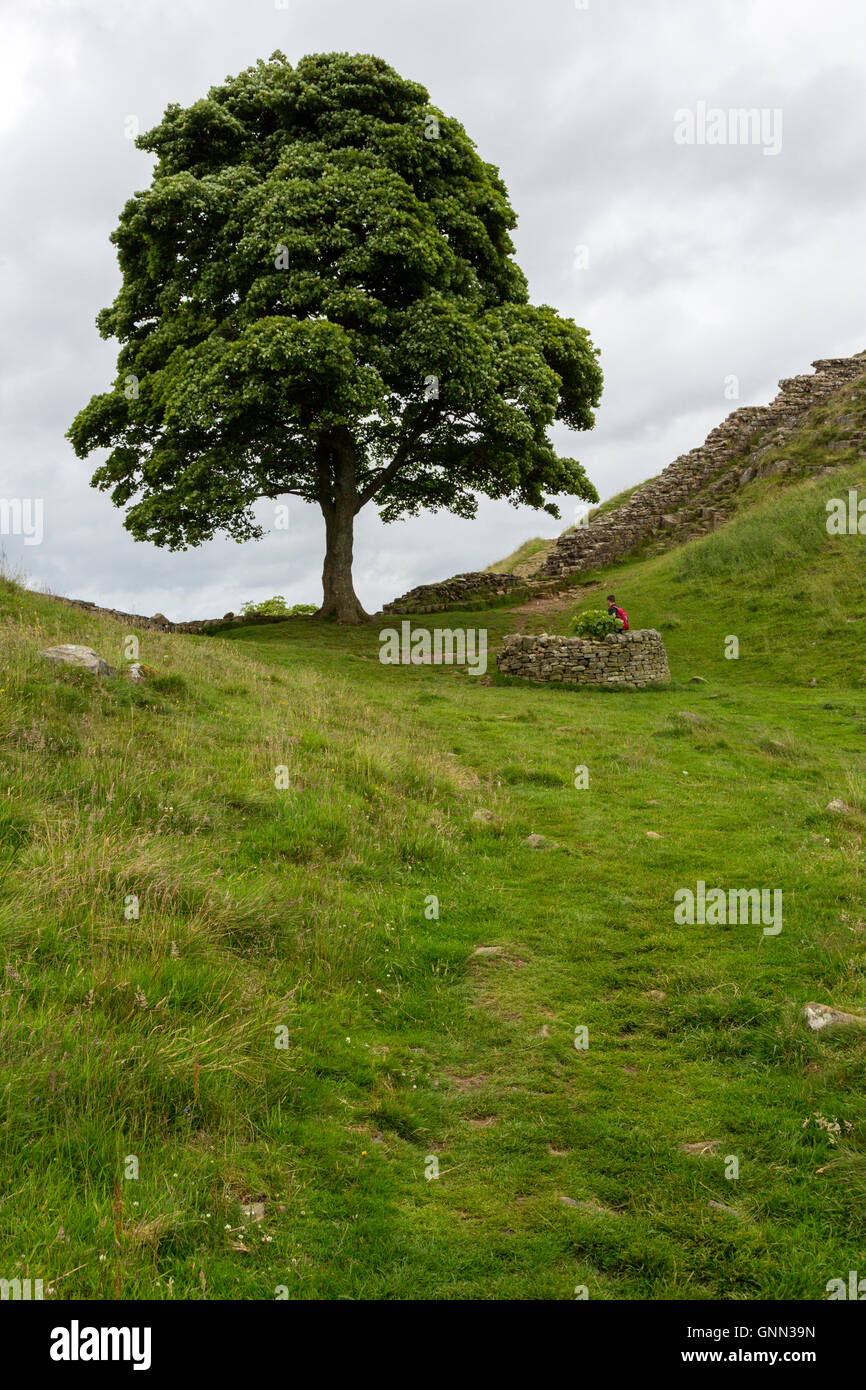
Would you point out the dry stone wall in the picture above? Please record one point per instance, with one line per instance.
(652, 508)
(451, 593)
(158, 623)
(629, 659)
(692, 496)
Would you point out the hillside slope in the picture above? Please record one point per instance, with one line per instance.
(815, 423)
(337, 1043)
(792, 593)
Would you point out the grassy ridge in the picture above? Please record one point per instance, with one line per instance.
(774, 577)
(311, 909)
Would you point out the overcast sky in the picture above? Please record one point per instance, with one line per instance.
(688, 262)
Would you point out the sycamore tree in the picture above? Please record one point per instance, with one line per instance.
(319, 299)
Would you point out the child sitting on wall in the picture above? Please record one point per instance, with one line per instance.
(617, 612)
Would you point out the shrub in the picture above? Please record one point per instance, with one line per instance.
(595, 623)
(276, 607)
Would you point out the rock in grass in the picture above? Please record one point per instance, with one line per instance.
(704, 1146)
(483, 817)
(728, 1211)
(699, 680)
(137, 671)
(537, 841)
(839, 807)
(487, 951)
(589, 1207)
(653, 835)
(67, 654)
(820, 1016)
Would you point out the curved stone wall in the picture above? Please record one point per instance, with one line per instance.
(630, 659)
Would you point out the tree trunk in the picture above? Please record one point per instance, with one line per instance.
(339, 506)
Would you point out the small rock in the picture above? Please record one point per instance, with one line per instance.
(838, 807)
(813, 681)
(537, 841)
(544, 1031)
(135, 672)
(656, 994)
(729, 1211)
(590, 1207)
(485, 816)
(820, 1016)
(653, 835)
(227, 617)
(704, 1146)
(253, 1211)
(159, 618)
(487, 951)
(85, 657)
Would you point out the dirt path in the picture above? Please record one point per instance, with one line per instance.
(553, 603)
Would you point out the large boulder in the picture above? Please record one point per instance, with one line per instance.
(67, 654)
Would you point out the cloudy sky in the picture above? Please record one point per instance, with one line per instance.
(689, 262)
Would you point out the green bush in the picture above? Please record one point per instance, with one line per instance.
(595, 623)
(276, 607)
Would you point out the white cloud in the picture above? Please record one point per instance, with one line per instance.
(703, 261)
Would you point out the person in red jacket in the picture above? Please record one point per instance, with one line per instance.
(617, 612)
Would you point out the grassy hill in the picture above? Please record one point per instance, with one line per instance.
(333, 987)
(827, 437)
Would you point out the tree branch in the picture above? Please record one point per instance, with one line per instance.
(404, 448)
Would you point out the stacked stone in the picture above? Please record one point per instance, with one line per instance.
(451, 593)
(651, 507)
(628, 659)
(158, 623)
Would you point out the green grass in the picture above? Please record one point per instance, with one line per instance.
(305, 915)
(794, 596)
(518, 561)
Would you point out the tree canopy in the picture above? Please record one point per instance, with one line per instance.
(319, 299)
